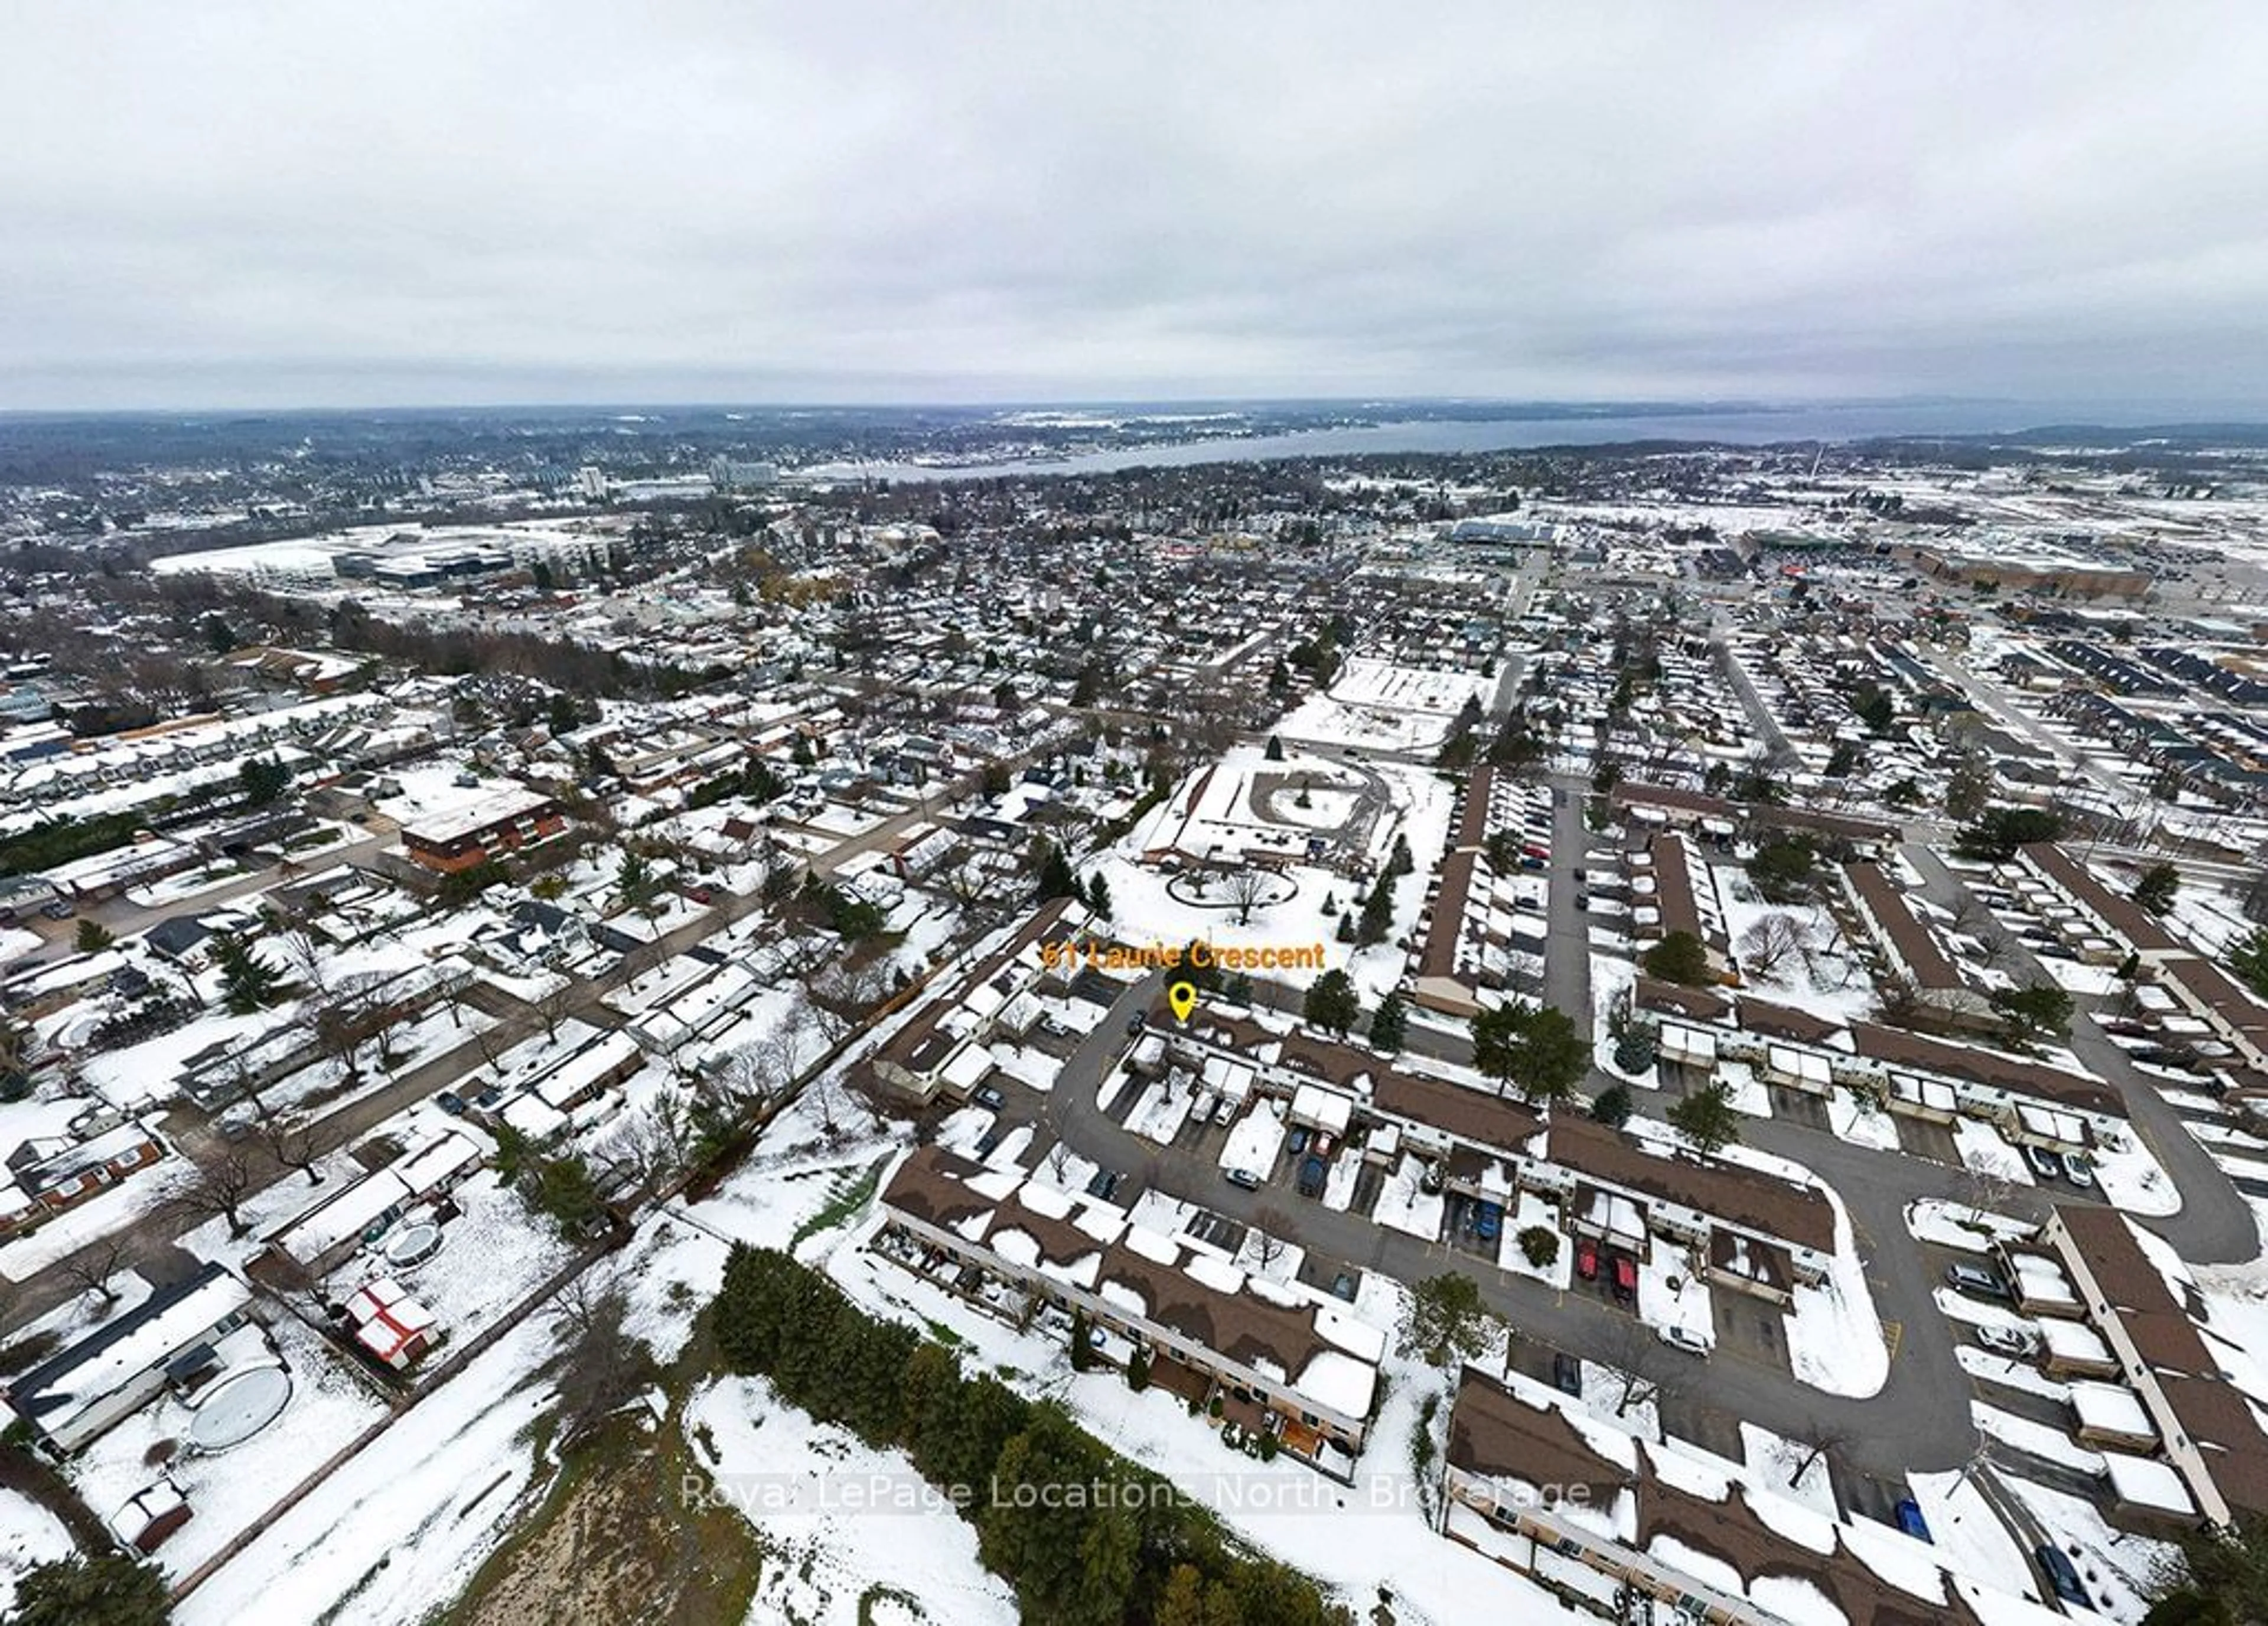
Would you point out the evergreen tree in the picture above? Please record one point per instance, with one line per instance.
(106, 1590)
(1098, 895)
(263, 779)
(1389, 1024)
(1534, 1048)
(1332, 1002)
(634, 880)
(1612, 1106)
(1681, 957)
(1707, 1119)
(1377, 913)
(1447, 1319)
(92, 937)
(247, 982)
(1275, 752)
(2154, 892)
(1055, 877)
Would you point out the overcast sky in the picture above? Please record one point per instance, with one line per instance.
(300, 204)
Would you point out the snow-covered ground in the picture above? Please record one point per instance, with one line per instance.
(1405, 1205)
(1386, 706)
(839, 1517)
(2118, 1567)
(29, 1536)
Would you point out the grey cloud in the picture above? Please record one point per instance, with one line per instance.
(278, 204)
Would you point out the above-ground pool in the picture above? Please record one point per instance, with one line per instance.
(412, 1243)
(238, 1406)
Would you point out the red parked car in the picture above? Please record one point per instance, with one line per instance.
(1625, 1278)
(1586, 1260)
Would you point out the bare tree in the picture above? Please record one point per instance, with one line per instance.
(651, 1145)
(1268, 1225)
(553, 1005)
(348, 1016)
(1058, 1160)
(1769, 940)
(91, 1267)
(602, 1367)
(1246, 888)
(1817, 1439)
(298, 1148)
(1648, 1369)
(219, 1192)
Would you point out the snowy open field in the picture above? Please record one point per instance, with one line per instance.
(1386, 706)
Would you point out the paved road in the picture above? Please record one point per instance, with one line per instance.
(1759, 713)
(123, 917)
(1918, 1421)
(2214, 1225)
(1909, 1425)
(1567, 940)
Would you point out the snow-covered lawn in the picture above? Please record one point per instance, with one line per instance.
(1983, 1149)
(1531, 1210)
(1775, 1461)
(1255, 1138)
(1835, 1342)
(2132, 1180)
(1861, 1126)
(1163, 1108)
(1686, 1305)
(838, 1517)
(1968, 1534)
(394, 1534)
(228, 1492)
(2009, 1374)
(2118, 1567)
(1406, 1205)
(2054, 1444)
(1956, 1225)
(29, 1536)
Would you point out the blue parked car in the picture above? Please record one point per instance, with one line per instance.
(1908, 1513)
(2061, 1573)
(1488, 1221)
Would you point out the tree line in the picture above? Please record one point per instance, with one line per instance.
(1131, 1552)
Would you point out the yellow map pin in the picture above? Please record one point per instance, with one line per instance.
(1183, 998)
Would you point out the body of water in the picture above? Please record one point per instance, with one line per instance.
(1735, 428)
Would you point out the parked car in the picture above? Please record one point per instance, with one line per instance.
(1686, 1339)
(2010, 1341)
(451, 1102)
(1135, 1024)
(1908, 1513)
(2046, 1163)
(234, 1127)
(1227, 1110)
(1625, 1278)
(1244, 1178)
(56, 908)
(1586, 1260)
(1312, 1174)
(1583, 900)
(1567, 1374)
(1297, 1141)
(988, 1096)
(990, 1141)
(2079, 1168)
(1488, 1221)
(1982, 1280)
(2062, 1574)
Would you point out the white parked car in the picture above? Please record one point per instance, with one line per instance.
(1686, 1339)
(2010, 1341)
